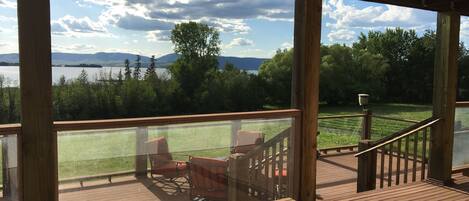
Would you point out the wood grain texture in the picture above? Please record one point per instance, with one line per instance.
(170, 120)
(460, 6)
(444, 95)
(37, 142)
(308, 16)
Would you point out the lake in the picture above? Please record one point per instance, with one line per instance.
(11, 73)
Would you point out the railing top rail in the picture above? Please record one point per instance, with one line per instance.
(169, 120)
(341, 116)
(402, 134)
(396, 119)
(10, 129)
(462, 104)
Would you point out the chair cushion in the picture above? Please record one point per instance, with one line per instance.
(247, 141)
(159, 149)
(208, 177)
(284, 173)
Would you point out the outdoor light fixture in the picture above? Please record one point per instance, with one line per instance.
(363, 100)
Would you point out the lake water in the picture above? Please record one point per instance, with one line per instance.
(12, 73)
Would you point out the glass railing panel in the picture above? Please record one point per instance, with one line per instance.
(461, 137)
(9, 170)
(226, 160)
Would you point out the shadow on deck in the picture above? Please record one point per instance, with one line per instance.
(336, 180)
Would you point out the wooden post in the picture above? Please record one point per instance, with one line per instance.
(366, 167)
(305, 93)
(366, 127)
(141, 155)
(37, 159)
(235, 127)
(444, 95)
(5, 171)
(238, 170)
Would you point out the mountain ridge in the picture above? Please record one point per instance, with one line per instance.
(117, 59)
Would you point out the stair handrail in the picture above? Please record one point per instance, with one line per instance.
(401, 134)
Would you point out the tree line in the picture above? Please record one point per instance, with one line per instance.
(392, 66)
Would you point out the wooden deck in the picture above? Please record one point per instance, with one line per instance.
(425, 190)
(336, 180)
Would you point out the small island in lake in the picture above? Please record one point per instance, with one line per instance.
(80, 65)
(2, 63)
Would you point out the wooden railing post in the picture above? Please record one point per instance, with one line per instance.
(5, 172)
(235, 127)
(366, 129)
(141, 156)
(238, 175)
(366, 167)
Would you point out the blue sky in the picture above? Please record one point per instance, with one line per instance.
(249, 28)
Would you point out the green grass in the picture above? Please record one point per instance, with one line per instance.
(106, 151)
(342, 132)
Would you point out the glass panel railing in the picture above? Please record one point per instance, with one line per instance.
(225, 159)
(461, 137)
(9, 161)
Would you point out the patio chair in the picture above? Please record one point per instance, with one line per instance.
(208, 179)
(247, 141)
(163, 167)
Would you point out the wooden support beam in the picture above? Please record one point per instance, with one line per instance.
(141, 161)
(305, 90)
(366, 174)
(444, 95)
(37, 142)
(460, 6)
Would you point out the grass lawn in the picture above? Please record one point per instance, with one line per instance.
(106, 151)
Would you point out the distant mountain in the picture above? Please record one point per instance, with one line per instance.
(117, 59)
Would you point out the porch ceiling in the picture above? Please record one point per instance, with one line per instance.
(460, 6)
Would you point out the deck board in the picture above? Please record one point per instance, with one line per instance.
(423, 190)
(336, 180)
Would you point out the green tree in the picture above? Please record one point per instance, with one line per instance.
(151, 70)
(198, 47)
(277, 75)
(138, 65)
(127, 71)
(397, 46)
(346, 72)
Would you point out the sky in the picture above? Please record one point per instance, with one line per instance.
(248, 28)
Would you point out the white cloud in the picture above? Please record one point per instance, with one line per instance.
(240, 42)
(287, 45)
(346, 20)
(465, 28)
(74, 48)
(78, 27)
(7, 4)
(158, 36)
(138, 23)
(227, 15)
(7, 19)
(341, 35)
(82, 4)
